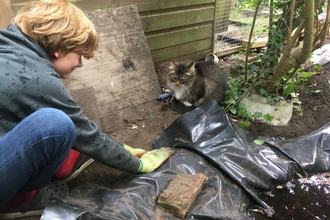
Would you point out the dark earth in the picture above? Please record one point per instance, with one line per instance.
(144, 129)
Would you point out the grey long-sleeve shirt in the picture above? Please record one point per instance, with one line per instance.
(28, 82)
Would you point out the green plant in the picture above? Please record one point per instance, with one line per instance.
(296, 103)
(288, 88)
(277, 74)
(238, 87)
(291, 82)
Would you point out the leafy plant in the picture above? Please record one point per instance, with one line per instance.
(288, 89)
(244, 124)
(292, 82)
(238, 87)
(296, 103)
(277, 74)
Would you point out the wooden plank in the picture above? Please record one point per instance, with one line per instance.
(193, 56)
(122, 72)
(151, 5)
(177, 18)
(181, 50)
(179, 36)
(229, 51)
(260, 42)
(83, 4)
(143, 5)
(6, 13)
(85, 97)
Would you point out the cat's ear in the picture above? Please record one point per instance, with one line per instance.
(191, 65)
(173, 64)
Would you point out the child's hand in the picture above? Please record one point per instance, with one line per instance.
(135, 151)
(152, 160)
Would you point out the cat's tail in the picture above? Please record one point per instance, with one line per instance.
(212, 57)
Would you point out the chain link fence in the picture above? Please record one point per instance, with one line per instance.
(233, 24)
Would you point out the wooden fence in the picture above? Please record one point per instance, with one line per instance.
(175, 30)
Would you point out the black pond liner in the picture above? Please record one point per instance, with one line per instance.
(245, 180)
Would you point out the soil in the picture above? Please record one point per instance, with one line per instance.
(142, 131)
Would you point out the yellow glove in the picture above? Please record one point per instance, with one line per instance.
(135, 151)
(154, 159)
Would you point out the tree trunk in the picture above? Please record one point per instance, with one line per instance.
(320, 38)
(293, 59)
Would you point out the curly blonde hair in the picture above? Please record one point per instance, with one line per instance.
(58, 25)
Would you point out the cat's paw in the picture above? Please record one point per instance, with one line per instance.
(186, 103)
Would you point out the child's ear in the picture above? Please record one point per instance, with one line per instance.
(56, 54)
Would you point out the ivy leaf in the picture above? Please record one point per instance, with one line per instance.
(257, 115)
(289, 89)
(269, 117)
(307, 74)
(318, 67)
(259, 142)
(262, 92)
(233, 111)
(269, 99)
(244, 124)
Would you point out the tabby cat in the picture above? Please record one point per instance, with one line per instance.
(196, 83)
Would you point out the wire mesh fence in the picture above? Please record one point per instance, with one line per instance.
(233, 24)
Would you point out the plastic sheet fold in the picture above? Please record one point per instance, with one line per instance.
(205, 140)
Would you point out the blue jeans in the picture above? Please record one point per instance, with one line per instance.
(32, 151)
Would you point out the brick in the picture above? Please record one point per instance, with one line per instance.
(181, 193)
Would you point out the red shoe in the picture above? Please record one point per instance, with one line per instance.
(38, 204)
(83, 162)
(74, 164)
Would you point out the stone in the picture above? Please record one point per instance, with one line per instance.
(281, 111)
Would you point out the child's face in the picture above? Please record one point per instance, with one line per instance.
(65, 63)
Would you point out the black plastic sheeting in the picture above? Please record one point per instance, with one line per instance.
(242, 175)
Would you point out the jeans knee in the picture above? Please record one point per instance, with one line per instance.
(54, 120)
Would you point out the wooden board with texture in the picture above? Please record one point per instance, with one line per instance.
(122, 72)
(175, 30)
(6, 13)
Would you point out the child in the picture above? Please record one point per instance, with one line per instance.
(40, 123)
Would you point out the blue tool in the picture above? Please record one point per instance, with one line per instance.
(164, 96)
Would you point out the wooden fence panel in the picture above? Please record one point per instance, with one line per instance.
(169, 25)
(158, 41)
(176, 53)
(143, 5)
(176, 33)
(174, 19)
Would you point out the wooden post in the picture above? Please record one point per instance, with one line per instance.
(6, 13)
